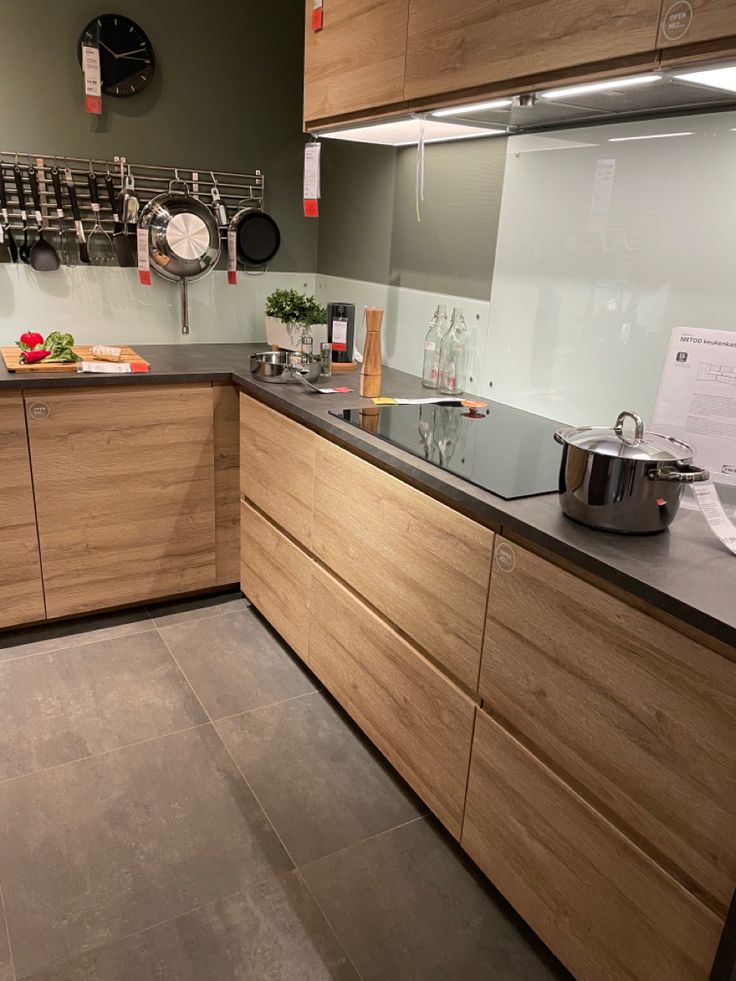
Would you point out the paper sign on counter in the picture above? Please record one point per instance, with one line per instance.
(720, 524)
(696, 401)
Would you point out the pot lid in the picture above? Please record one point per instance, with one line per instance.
(632, 443)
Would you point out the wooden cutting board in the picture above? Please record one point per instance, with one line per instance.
(11, 356)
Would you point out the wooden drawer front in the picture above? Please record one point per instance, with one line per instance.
(21, 594)
(638, 714)
(357, 61)
(469, 43)
(601, 905)
(423, 565)
(124, 484)
(277, 467)
(420, 722)
(276, 577)
(691, 21)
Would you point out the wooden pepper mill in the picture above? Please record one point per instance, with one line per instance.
(370, 372)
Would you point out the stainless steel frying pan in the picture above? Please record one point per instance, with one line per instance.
(183, 239)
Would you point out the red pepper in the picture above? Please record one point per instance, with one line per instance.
(31, 339)
(31, 357)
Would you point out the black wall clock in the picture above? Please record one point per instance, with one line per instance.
(126, 54)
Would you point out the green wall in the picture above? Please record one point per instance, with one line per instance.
(368, 225)
(227, 95)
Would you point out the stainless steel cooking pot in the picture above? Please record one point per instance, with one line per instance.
(625, 483)
(285, 366)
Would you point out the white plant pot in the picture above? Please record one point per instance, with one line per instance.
(287, 335)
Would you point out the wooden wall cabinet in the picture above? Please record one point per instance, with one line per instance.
(21, 592)
(277, 467)
(423, 565)
(605, 908)
(124, 484)
(637, 714)
(357, 61)
(686, 22)
(476, 43)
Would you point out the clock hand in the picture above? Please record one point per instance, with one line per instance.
(129, 58)
(103, 45)
(127, 54)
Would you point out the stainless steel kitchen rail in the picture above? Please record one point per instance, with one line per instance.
(149, 179)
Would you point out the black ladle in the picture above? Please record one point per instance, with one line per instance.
(24, 252)
(44, 257)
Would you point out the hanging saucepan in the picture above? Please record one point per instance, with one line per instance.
(183, 239)
(257, 236)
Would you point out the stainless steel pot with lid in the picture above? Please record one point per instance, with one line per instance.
(629, 483)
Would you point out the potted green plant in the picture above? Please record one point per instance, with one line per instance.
(289, 314)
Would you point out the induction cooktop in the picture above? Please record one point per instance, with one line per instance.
(506, 451)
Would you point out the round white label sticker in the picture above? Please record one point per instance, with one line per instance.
(505, 557)
(677, 20)
(39, 410)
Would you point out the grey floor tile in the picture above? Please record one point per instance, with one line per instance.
(406, 908)
(320, 785)
(235, 663)
(274, 931)
(6, 963)
(85, 700)
(69, 633)
(100, 849)
(199, 608)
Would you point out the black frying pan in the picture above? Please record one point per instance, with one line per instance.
(257, 236)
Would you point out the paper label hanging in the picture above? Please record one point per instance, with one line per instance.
(720, 524)
(232, 258)
(312, 180)
(144, 266)
(92, 79)
(317, 15)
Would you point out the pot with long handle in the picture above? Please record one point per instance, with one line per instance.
(628, 483)
(183, 239)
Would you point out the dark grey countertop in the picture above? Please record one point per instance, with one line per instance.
(685, 571)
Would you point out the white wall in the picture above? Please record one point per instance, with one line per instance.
(107, 306)
(603, 248)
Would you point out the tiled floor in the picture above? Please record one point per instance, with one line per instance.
(179, 802)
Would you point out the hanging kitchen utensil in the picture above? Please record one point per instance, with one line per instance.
(183, 239)
(121, 243)
(257, 236)
(24, 251)
(7, 233)
(218, 205)
(101, 249)
(67, 235)
(72, 191)
(130, 205)
(44, 257)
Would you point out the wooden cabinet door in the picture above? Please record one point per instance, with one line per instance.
(21, 594)
(276, 576)
(420, 721)
(226, 433)
(277, 467)
(605, 909)
(691, 21)
(357, 61)
(422, 565)
(640, 716)
(124, 482)
(475, 43)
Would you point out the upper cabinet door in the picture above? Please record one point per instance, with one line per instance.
(357, 60)
(475, 43)
(21, 595)
(692, 21)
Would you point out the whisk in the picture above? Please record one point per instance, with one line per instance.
(99, 242)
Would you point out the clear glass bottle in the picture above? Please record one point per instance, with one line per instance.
(453, 356)
(306, 344)
(432, 343)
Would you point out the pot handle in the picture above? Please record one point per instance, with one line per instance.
(688, 475)
(638, 430)
(558, 437)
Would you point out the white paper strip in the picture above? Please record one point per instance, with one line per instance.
(720, 524)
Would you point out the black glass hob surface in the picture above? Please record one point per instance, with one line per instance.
(506, 451)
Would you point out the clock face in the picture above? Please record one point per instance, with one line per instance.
(126, 54)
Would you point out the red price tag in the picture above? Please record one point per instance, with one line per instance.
(317, 15)
(92, 79)
(311, 208)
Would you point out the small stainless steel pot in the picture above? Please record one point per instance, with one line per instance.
(628, 484)
(277, 367)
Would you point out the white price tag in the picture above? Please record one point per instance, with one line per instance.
(312, 189)
(232, 258)
(339, 334)
(144, 265)
(92, 79)
(720, 524)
